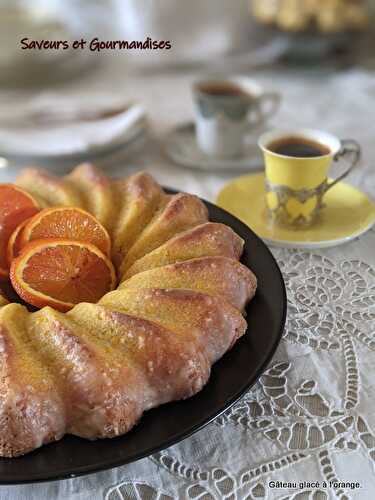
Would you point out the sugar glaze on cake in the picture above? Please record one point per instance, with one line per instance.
(93, 371)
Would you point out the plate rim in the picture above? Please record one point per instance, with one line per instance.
(97, 151)
(240, 164)
(316, 245)
(83, 470)
(307, 245)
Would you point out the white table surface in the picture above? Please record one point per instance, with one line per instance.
(311, 415)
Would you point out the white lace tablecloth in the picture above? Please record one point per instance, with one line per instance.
(311, 416)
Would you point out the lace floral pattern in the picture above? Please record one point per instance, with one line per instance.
(305, 416)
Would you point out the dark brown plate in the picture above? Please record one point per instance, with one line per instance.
(231, 377)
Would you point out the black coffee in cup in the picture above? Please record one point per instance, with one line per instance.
(298, 147)
(223, 89)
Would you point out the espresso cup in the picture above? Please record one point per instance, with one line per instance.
(297, 164)
(226, 111)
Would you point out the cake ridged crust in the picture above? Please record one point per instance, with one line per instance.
(32, 411)
(210, 321)
(220, 276)
(95, 191)
(209, 239)
(137, 199)
(93, 371)
(181, 212)
(52, 190)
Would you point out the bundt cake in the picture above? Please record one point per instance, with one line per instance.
(177, 309)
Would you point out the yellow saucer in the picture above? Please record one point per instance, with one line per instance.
(347, 214)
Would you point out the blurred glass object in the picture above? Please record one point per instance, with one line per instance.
(316, 29)
(324, 16)
(36, 20)
(198, 30)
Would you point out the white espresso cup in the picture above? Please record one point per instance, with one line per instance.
(226, 110)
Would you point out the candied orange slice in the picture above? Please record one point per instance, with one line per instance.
(61, 273)
(14, 242)
(16, 205)
(69, 223)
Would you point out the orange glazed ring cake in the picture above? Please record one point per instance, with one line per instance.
(173, 306)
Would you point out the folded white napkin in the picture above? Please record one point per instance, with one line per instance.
(53, 125)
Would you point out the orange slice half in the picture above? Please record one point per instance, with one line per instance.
(16, 205)
(70, 223)
(14, 242)
(61, 273)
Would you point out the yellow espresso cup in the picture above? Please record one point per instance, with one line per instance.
(297, 163)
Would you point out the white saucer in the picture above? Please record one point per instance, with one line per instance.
(181, 147)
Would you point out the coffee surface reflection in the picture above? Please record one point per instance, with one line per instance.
(298, 147)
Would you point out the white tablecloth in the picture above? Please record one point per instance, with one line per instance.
(311, 415)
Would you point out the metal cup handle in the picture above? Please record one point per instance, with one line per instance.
(349, 148)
